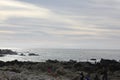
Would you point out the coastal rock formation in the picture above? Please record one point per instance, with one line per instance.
(58, 70)
(4, 52)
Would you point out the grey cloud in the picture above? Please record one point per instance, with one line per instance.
(89, 16)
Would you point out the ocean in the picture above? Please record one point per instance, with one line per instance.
(63, 54)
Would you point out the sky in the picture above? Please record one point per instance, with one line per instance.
(79, 24)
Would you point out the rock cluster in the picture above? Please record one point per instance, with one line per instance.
(67, 70)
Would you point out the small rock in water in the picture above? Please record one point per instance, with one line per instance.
(33, 54)
(22, 54)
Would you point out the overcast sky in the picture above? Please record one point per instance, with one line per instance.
(82, 24)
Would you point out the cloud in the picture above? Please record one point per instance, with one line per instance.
(59, 23)
(6, 32)
(21, 9)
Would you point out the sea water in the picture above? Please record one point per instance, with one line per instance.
(63, 55)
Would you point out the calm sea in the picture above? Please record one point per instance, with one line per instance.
(63, 54)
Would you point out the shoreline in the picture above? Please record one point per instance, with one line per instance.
(57, 69)
(66, 55)
(51, 69)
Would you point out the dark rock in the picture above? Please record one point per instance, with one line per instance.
(22, 54)
(33, 54)
(7, 52)
(52, 61)
(1, 55)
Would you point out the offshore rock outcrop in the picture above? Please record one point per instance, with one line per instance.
(33, 54)
(7, 52)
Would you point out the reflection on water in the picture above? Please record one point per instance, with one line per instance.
(63, 54)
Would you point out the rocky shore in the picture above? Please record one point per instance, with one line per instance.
(58, 70)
